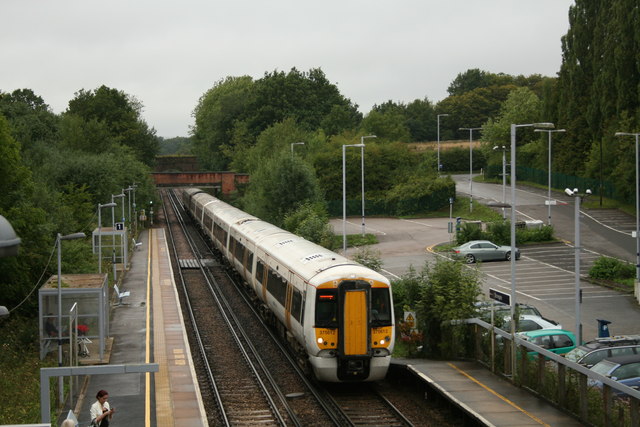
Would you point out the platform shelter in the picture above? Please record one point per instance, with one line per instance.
(113, 241)
(90, 294)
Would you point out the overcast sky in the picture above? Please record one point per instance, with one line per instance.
(168, 53)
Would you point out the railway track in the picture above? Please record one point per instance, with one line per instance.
(301, 400)
(235, 376)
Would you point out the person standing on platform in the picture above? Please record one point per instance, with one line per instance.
(101, 412)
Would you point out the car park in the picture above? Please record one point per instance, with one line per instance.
(623, 369)
(557, 341)
(592, 352)
(501, 309)
(483, 250)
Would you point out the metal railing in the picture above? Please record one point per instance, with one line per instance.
(593, 398)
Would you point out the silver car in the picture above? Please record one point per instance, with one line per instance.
(483, 250)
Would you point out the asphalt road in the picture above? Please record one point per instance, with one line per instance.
(545, 274)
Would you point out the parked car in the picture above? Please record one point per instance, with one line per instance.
(592, 352)
(557, 341)
(530, 322)
(624, 369)
(483, 250)
(502, 310)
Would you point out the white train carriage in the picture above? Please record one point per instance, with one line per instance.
(336, 313)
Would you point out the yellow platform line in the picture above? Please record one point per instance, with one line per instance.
(495, 393)
(147, 358)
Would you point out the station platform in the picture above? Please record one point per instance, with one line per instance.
(484, 396)
(147, 327)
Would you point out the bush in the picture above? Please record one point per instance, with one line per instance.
(606, 268)
(369, 258)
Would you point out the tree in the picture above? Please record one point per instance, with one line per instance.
(521, 106)
(218, 116)
(387, 125)
(279, 186)
(120, 116)
(31, 119)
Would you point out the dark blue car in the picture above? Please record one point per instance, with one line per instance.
(623, 369)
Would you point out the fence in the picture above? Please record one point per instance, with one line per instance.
(592, 398)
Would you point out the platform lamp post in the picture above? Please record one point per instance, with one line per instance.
(514, 127)
(439, 115)
(549, 131)
(135, 212)
(107, 205)
(344, 196)
(470, 165)
(128, 190)
(362, 138)
(578, 292)
(504, 177)
(637, 205)
(59, 240)
(295, 143)
(113, 229)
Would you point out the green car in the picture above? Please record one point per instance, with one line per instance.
(557, 341)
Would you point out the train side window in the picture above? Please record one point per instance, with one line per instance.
(296, 304)
(380, 307)
(260, 271)
(327, 308)
(277, 286)
(250, 262)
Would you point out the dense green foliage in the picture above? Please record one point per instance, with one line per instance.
(612, 269)
(441, 292)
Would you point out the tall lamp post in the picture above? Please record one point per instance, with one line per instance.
(344, 196)
(504, 177)
(295, 143)
(637, 205)
(574, 193)
(113, 229)
(129, 190)
(439, 115)
(549, 131)
(470, 165)
(362, 138)
(107, 205)
(59, 240)
(514, 127)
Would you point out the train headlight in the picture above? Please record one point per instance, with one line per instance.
(382, 342)
(320, 341)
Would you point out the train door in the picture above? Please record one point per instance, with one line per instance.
(354, 338)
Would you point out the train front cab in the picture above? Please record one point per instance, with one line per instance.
(354, 331)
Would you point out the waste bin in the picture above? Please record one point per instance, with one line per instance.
(603, 329)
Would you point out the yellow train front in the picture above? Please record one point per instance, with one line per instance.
(350, 335)
(336, 314)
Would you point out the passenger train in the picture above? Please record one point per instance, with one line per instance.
(336, 314)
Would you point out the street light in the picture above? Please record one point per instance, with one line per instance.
(504, 177)
(549, 131)
(439, 115)
(107, 205)
(362, 138)
(9, 246)
(637, 205)
(295, 143)
(514, 127)
(470, 165)
(574, 193)
(129, 190)
(59, 240)
(344, 197)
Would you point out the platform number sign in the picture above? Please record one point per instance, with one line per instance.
(119, 226)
